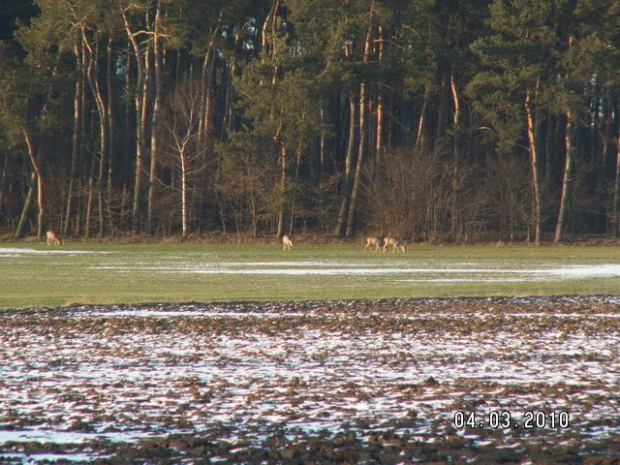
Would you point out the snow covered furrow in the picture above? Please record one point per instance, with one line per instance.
(129, 373)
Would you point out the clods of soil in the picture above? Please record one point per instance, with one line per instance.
(505, 380)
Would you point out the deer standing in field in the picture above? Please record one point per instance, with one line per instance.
(52, 238)
(395, 244)
(373, 243)
(287, 243)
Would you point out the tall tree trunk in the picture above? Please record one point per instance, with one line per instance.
(23, 217)
(140, 129)
(89, 200)
(206, 79)
(362, 134)
(75, 143)
(419, 139)
(227, 111)
(111, 126)
(37, 175)
(159, 96)
(379, 134)
(348, 170)
(128, 151)
(5, 165)
(283, 190)
(533, 168)
(183, 157)
(606, 123)
(566, 178)
(322, 150)
(359, 165)
(252, 200)
(82, 179)
(270, 28)
(39, 178)
(93, 82)
(144, 122)
(205, 124)
(293, 214)
(456, 162)
(269, 44)
(616, 206)
(441, 111)
(185, 114)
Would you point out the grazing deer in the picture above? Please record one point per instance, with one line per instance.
(396, 245)
(374, 243)
(52, 238)
(287, 243)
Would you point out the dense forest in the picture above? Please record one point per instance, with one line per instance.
(451, 120)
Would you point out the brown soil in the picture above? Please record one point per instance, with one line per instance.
(314, 382)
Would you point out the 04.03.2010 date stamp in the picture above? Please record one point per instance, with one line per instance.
(503, 419)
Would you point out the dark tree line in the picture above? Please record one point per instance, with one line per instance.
(429, 120)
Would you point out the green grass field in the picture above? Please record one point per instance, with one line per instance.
(35, 275)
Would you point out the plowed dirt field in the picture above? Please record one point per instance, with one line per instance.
(493, 380)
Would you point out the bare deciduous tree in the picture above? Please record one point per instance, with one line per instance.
(185, 152)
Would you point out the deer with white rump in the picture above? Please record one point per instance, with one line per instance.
(52, 238)
(395, 244)
(373, 243)
(287, 243)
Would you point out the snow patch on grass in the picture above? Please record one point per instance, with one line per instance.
(418, 274)
(18, 252)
